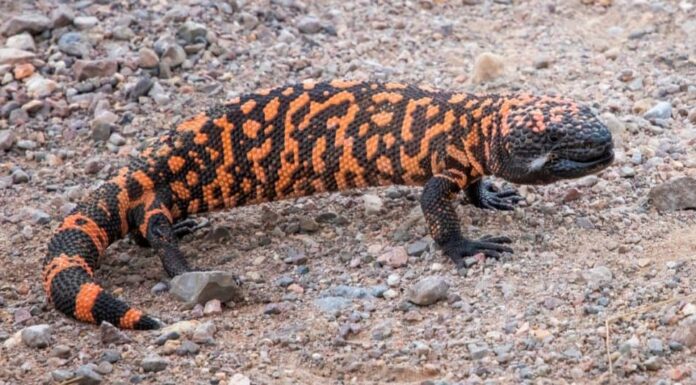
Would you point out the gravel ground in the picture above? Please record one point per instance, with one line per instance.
(330, 281)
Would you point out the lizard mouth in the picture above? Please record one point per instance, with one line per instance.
(573, 167)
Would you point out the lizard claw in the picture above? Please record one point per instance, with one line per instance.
(487, 195)
(490, 246)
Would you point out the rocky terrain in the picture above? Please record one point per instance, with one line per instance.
(348, 288)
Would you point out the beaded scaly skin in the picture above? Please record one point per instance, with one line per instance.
(308, 138)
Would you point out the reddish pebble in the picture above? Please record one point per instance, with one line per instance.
(572, 195)
(214, 306)
(295, 288)
(396, 257)
(23, 71)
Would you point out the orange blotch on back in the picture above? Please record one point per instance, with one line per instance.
(431, 111)
(395, 86)
(391, 97)
(457, 98)
(130, 319)
(251, 128)
(371, 146)
(192, 178)
(344, 83)
(194, 124)
(270, 111)
(180, 190)
(176, 163)
(248, 106)
(382, 119)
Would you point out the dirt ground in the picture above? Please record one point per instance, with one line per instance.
(588, 253)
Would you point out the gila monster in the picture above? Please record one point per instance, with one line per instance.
(308, 138)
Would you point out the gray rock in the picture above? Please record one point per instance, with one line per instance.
(428, 291)
(88, 374)
(62, 16)
(154, 363)
(239, 379)
(141, 88)
(38, 217)
(19, 176)
(116, 139)
(7, 139)
(74, 44)
(23, 41)
(175, 54)
(7, 108)
(40, 87)
(677, 194)
(110, 334)
(61, 351)
(87, 69)
(147, 58)
(85, 22)
(111, 356)
(331, 305)
(309, 25)
(653, 363)
(284, 281)
(627, 172)
(308, 225)
(15, 56)
(104, 367)
(18, 117)
(584, 223)
(477, 351)
(37, 336)
(33, 23)
(417, 248)
(373, 204)
(662, 110)
(655, 346)
(204, 333)
(122, 32)
(159, 288)
(61, 375)
(192, 33)
(202, 286)
(598, 276)
(102, 125)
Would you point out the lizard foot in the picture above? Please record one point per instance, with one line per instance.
(490, 246)
(187, 226)
(487, 195)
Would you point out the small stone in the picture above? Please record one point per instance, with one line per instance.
(331, 305)
(308, 225)
(653, 363)
(572, 194)
(62, 375)
(396, 257)
(588, 181)
(627, 172)
(488, 66)
(102, 125)
(15, 56)
(93, 165)
(239, 379)
(40, 87)
(112, 335)
(309, 25)
(62, 16)
(74, 44)
(676, 194)
(37, 336)
(373, 204)
(598, 276)
(284, 281)
(214, 306)
(33, 23)
(89, 375)
(477, 352)
(122, 32)
(61, 351)
(192, 33)
(204, 333)
(23, 41)
(7, 139)
(85, 22)
(116, 139)
(393, 280)
(655, 346)
(175, 54)
(147, 58)
(662, 110)
(141, 88)
(202, 286)
(111, 356)
(542, 62)
(159, 288)
(188, 347)
(18, 117)
(417, 248)
(87, 69)
(428, 291)
(154, 363)
(104, 367)
(273, 309)
(584, 223)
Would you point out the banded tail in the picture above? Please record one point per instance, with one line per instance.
(73, 254)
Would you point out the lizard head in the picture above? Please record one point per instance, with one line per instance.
(546, 139)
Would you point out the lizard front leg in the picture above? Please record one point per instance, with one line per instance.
(441, 217)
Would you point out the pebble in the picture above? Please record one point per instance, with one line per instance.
(122, 32)
(62, 16)
(15, 56)
(627, 172)
(110, 334)
(62, 375)
(60, 351)
(87, 69)
(653, 363)
(214, 306)
(677, 194)
(89, 375)
(331, 305)
(147, 58)
(23, 41)
(111, 356)
(428, 291)
(102, 125)
(7, 139)
(309, 25)
(18, 117)
(159, 288)
(116, 139)
(74, 44)
(662, 110)
(204, 333)
(239, 379)
(202, 286)
(141, 88)
(395, 257)
(487, 66)
(417, 248)
(373, 204)
(655, 346)
(40, 87)
(85, 22)
(174, 54)
(37, 336)
(393, 280)
(192, 33)
(598, 276)
(308, 225)
(154, 363)
(30, 22)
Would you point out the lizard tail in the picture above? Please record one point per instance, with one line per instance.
(73, 254)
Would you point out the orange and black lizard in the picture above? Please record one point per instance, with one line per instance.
(308, 138)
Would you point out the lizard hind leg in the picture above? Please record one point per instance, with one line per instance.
(154, 224)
